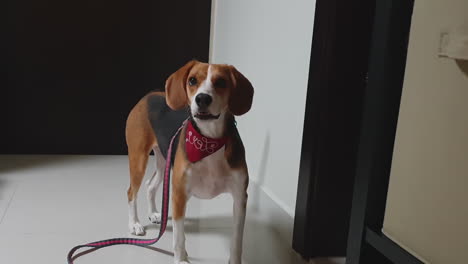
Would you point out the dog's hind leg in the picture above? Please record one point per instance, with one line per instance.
(138, 161)
(140, 140)
(153, 185)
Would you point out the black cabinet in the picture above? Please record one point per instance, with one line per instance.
(74, 69)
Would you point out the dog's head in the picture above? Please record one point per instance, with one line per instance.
(210, 90)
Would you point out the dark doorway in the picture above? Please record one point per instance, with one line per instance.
(355, 81)
(337, 81)
(74, 69)
(366, 243)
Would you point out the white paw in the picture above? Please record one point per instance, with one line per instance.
(136, 229)
(183, 259)
(155, 218)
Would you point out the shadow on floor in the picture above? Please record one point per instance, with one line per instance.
(13, 163)
(463, 64)
(3, 184)
(328, 261)
(261, 243)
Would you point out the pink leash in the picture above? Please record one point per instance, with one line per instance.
(138, 242)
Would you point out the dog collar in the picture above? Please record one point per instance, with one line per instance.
(198, 146)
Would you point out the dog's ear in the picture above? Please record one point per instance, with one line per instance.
(241, 96)
(176, 95)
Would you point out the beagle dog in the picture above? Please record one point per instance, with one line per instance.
(209, 157)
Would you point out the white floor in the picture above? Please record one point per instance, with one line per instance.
(48, 204)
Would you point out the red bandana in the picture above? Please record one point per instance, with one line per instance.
(198, 146)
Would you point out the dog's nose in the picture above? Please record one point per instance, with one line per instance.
(203, 100)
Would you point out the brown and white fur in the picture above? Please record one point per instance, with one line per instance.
(223, 171)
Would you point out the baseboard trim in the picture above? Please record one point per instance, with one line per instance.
(272, 211)
(274, 215)
(290, 211)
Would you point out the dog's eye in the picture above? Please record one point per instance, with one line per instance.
(192, 81)
(220, 83)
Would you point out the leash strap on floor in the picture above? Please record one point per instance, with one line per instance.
(131, 241)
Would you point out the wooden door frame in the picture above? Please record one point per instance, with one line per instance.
(337, 79)
(367, 244)
(378, 31)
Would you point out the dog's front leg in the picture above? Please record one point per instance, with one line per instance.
(179, 201)
(239, 195)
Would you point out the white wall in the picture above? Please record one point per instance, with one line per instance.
(269, 42)
(427, 211)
